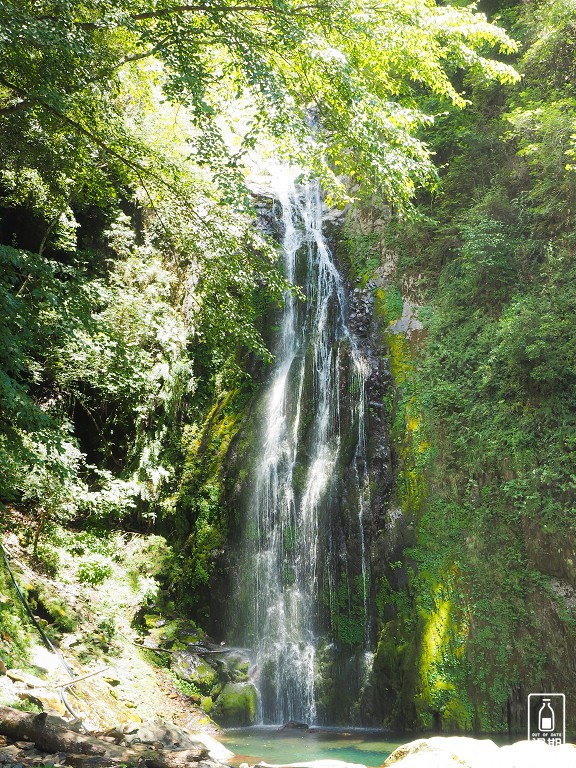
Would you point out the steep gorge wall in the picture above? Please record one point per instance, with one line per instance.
(478, 602)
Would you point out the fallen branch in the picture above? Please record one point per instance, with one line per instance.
(88, 751)
(197, 649)
(79, 679)
(23, 726)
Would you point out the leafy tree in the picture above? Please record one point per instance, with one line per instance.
(359, 67)
(133, 268)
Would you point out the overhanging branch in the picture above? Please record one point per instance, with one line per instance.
(14, 108)
(220, 9)
(210, 9)
(142, 173)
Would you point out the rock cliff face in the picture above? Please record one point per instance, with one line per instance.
(478, 597)
(354, 525)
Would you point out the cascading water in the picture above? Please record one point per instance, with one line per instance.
(291, 560)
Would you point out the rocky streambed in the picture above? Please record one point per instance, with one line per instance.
(43, 740)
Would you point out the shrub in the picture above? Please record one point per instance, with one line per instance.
(93, 570)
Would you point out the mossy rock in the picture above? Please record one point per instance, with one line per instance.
(193, 669)
(236, 705)
(234, 667)
(217, 689)
(242, 669)
(177, 634)
(152, 620)
(191, 638)
(52, 609)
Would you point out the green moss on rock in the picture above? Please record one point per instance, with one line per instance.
(50, 607)
(207, 704)
(236, 705)
(193, 669)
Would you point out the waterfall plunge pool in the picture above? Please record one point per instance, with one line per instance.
(274, 745)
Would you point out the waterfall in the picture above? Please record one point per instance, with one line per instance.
(291, 562)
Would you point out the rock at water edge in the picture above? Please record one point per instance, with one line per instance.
(236, 705)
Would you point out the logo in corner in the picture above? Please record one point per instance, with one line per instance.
(547, 718)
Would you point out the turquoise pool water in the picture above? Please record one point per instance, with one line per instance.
(272, 745)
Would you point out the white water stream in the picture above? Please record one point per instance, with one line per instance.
(288, 549)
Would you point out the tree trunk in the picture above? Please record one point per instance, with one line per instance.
(87, 751)
(23, 726)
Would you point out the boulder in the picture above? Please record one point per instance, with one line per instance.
(158, 732)
(236, 705)
(446, 752)
(49, 701)
(235, 665)
(192, 668)
(535, 754)
(152, 620)
(216, 750)
(294, 725)
(20, 676)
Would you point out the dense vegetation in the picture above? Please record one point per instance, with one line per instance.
(133, 284)
(132, 273)
(486, 419)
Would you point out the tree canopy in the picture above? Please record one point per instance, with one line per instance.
(336, 80)
(132, 269)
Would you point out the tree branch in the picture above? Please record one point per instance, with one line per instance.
(216, 8)
(14, 108)
(127, 60)
(141, 171)
(181, 9)
(25, 103)
(199, 8)
(78, 126)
